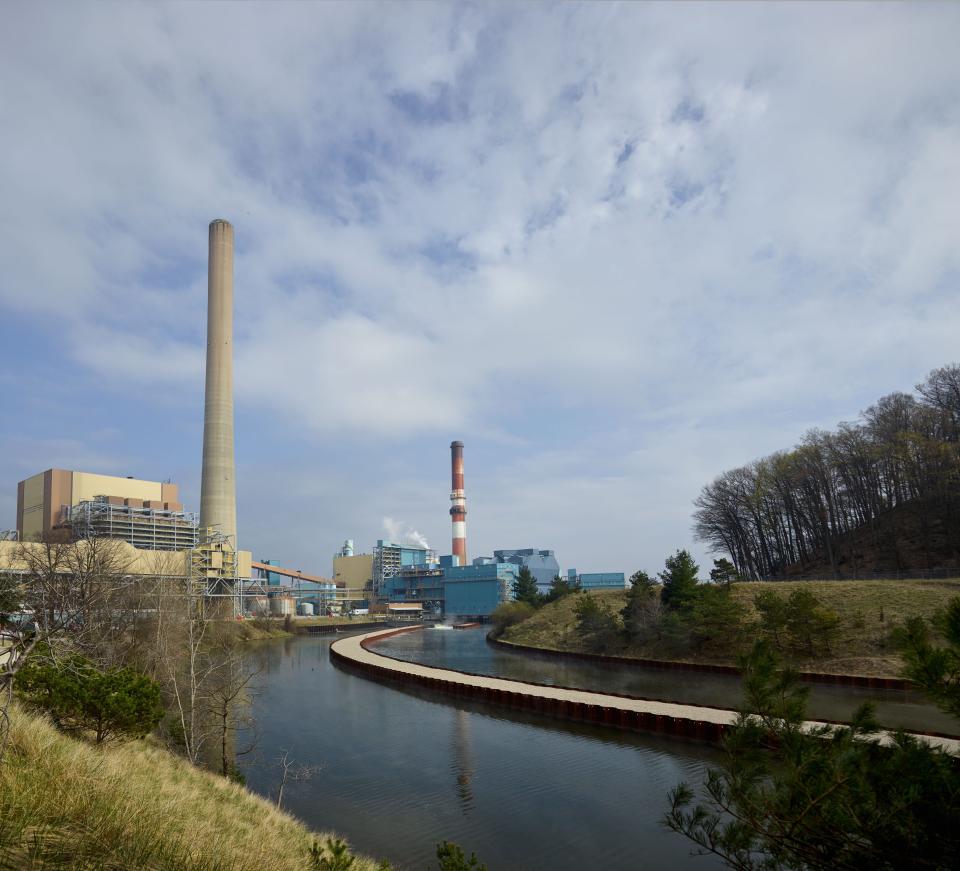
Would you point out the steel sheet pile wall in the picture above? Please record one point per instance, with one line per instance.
(529, 699)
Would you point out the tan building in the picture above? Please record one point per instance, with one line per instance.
(45, 500)
(130, 560)
(353, 572)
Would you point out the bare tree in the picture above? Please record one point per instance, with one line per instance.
(59, 591)
(228, 698)
(835, 491)
(183, 664)
(293, 772)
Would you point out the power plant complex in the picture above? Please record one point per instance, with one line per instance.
(410, 579)
(397, 578)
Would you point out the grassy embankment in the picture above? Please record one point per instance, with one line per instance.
(861, 646)
(66, 804)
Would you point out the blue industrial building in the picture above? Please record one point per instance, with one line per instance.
(405, 574)
(421, 583)
(475, 591)
(273, 579)
(543, 564)
(455, 590)
(390, 559)
(597, 580)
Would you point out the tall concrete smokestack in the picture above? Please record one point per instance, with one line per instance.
(458, 511)
(218, 489)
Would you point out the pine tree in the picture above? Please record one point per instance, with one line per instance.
(791, 796)
(525, 588)
(723, 572)
(679, 582)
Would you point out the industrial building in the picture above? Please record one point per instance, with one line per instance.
(477, 590)
(144, 527)
(204, 561)
(542, 564)
(148, 514)
(418, 583)
(309, 594)
(597, 580)
(389, 558)
(353, 570)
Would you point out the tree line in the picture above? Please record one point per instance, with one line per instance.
(800, 506)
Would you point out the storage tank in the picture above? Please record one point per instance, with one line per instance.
(282, 605)
(306, 609)
(258, 605)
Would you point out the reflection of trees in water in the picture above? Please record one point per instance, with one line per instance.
(462, 764)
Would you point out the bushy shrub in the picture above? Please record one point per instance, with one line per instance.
(509, 614)
(334, 855)
(642, 614)
(717, 619)
(798, 623)
(452, 858)
(596, 623)
(116, 703)
(559, 587)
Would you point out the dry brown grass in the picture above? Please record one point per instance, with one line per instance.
(67, 804)
(862, 644)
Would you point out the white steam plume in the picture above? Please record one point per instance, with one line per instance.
(402, 532)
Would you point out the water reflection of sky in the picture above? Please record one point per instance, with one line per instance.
(403, 770)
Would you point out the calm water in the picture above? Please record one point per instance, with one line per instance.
(403, 770)
(467, 650)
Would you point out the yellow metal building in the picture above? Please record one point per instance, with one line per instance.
(44, 499)
(353, 572)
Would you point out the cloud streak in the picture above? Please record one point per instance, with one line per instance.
(666, 239)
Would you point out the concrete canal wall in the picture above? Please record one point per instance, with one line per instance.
(699, 722)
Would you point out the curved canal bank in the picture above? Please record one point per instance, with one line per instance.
(470, 652)
(401, 768)
(851, 680)
(701, 722)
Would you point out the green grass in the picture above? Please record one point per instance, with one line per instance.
(861, 646)
(67, 804)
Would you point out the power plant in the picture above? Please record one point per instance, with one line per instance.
(398, 577)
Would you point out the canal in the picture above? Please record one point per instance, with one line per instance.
(468, 650)
(400, 770)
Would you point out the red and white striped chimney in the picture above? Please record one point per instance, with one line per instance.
(458, 510)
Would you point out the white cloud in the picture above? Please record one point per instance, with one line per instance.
(531, 223)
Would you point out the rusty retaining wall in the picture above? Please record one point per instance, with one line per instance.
(341, 628)
(611, 709)
(561, 709)
(855, 680)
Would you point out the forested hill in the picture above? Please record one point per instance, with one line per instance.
(878, 495)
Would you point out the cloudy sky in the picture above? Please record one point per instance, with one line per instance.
(614, 248)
